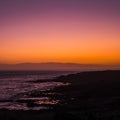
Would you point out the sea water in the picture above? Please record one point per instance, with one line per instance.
(16, 85)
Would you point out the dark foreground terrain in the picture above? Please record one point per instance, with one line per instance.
(89, 96)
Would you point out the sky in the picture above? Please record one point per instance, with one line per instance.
(77, 31)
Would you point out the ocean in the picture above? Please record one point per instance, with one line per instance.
(17, 85)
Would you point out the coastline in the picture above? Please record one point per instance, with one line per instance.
(90, 95)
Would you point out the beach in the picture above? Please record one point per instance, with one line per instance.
(93, 95)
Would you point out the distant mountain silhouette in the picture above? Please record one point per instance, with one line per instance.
(56, 66)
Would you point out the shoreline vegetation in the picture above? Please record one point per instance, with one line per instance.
(93, 95)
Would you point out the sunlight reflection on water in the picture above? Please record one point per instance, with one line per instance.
(16, 87)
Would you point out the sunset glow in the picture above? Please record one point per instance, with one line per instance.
(79, 31)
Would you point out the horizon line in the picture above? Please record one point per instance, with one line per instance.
(76, 63)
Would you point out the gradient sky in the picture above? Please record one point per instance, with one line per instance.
(81, 31)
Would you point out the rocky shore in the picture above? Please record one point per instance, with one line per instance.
(91, 95)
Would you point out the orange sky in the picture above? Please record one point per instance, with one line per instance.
(60, 33)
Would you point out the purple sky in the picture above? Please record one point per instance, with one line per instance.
(60, 31)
